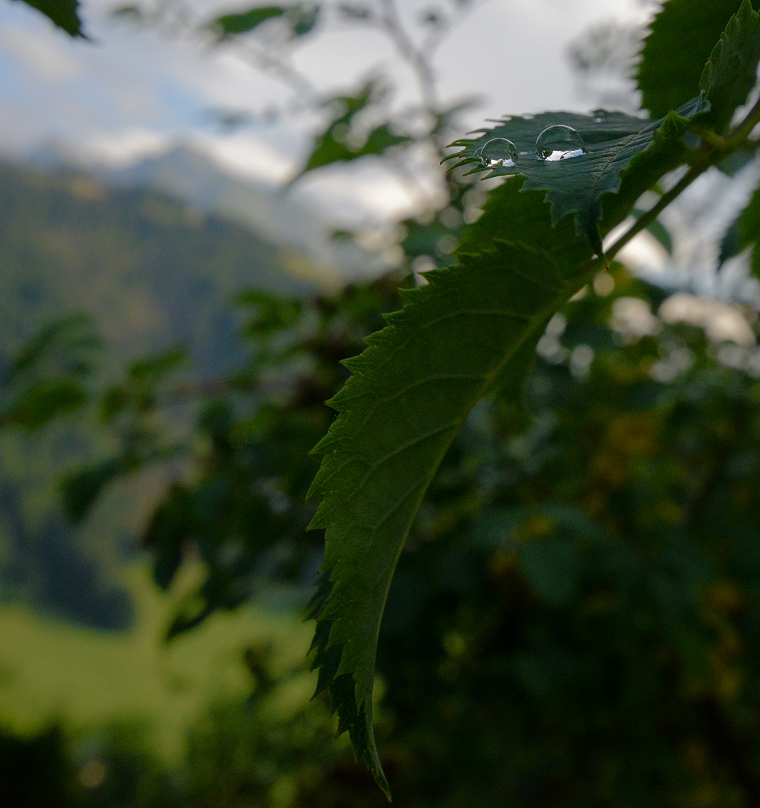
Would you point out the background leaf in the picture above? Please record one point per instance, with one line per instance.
(301, 19)
(680, 41)
(344, 140)
(63, 13)
(743, 234)
(241, 23)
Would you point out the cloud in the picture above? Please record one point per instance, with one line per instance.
(49, 59)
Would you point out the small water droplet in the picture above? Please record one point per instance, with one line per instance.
(498, 152)
(600, 115)
(559, 143)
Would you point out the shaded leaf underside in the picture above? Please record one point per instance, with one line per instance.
(473, 327)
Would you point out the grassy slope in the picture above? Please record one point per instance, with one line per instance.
(51, 670)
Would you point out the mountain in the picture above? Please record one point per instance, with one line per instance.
(150, 270)
(299, 229)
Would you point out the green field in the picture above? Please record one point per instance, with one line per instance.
(51, 670)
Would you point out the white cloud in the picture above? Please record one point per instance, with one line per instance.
(246, 154)
(49, 58)
(123, 148)
(135, 80)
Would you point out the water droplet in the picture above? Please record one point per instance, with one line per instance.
(600, 115)
(498, 152)
(559, 143)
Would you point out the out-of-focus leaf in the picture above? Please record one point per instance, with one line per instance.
(113, 402)
(302, 19)
(80, 489)
(43, 402)
(340, 142)
(355, 11)
(731, 244)
(169, 528)
(731, 72)
(129, 12)
(329, 150)
(65, 340)
(151, 369)
(62, 13)
(744, 234)
(659, 231)
(241, 23)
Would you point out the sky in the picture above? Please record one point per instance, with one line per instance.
(133, 89)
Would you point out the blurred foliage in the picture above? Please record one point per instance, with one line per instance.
(574, 618)
(150, 273)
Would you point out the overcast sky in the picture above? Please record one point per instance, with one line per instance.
(133, 90)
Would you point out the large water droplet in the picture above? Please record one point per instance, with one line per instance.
(559, 143)
(498, 152)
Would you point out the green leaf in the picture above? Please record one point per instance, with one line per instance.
(80, 489)
(681, 39)
(744, 234)
(62, 13)
(658, 231)
(301, 18)
(128, 12)
(232, 24)
(577, 185)
(342, 141)
(731, 72)
(46, 378)
(150, 370)
(472, 327)
(43, 402)
(64, 341)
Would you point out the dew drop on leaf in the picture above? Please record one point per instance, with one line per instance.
(498, 152)
(559, 142)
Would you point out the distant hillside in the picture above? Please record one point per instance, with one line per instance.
(152, 271)
(301, 230)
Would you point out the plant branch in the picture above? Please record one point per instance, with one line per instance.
(406, 47)
(647, 218)
(714, 150)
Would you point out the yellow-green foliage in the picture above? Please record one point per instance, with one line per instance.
(52, 670)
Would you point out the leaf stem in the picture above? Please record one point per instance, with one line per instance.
(647, 218)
